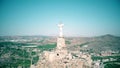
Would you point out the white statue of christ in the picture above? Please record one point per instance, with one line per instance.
(61, 29)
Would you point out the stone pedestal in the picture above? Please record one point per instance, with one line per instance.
(60, 43)
(61, 50)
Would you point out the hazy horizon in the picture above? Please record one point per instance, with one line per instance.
(57, 35)
(40, 17)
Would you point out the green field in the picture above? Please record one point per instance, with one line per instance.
(12, 54)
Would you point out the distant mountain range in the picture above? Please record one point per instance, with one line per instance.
(101, 43)
(106, 42)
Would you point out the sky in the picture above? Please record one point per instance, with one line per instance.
(41, 17)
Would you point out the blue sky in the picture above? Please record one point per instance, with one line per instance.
(40, 17)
